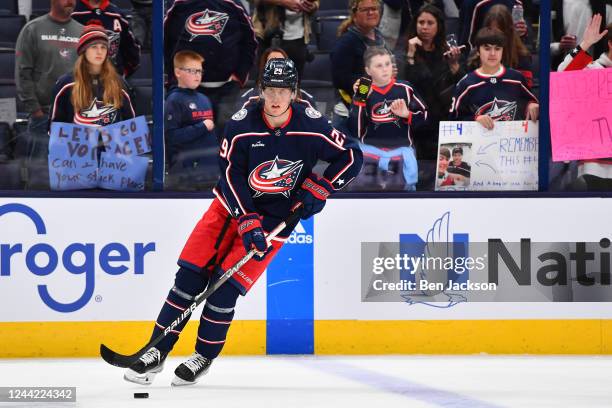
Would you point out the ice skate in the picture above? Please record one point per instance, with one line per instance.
(188, 372)
(144, 370)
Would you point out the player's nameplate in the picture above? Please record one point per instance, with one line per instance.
(472, 158)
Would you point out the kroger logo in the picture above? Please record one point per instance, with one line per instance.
(299, 234)
(43, 259)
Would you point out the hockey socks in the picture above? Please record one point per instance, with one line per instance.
(187, 285)
(215, 320)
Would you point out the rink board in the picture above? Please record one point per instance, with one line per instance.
(77, 272)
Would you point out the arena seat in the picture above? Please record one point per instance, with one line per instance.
(10, 26)
(319, 68)
(325, 29)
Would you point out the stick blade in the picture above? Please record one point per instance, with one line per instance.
(116, 359)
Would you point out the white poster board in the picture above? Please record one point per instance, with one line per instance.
(473, 158)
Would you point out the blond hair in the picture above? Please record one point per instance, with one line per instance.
(353, 6)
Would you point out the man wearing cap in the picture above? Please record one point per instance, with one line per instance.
(45, 50)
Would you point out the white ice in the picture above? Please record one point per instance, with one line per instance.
(338, 382)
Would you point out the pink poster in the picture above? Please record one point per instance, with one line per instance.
(581, 114)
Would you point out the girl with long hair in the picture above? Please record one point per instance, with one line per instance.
(93, 94)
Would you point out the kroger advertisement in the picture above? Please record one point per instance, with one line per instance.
(115, 259)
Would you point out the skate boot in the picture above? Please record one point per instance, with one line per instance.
(188, 372)
(144, 370)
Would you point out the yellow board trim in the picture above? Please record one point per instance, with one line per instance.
(248, 337)
(464, 337)
(82, 339)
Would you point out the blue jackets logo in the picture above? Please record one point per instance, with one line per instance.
(43, 259)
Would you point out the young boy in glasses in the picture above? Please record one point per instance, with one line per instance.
(189, 115)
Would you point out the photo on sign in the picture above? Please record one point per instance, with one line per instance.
(454, 165)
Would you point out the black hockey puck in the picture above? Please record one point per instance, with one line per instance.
(141, 395)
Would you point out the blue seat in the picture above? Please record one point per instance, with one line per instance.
(7, 66)
(319, 68)
(326, 28)
(9, 7)
(143, 100)
(10, 26)
(334, 5)
(144, 73)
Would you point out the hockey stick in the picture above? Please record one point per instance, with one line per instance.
(121, 360)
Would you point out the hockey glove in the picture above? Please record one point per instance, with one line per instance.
(312, 195)
(253, 236)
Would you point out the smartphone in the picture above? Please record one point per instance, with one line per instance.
(363, 89)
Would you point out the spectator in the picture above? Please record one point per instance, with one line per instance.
(46, 49)
(285, 24)
(252, 95)
(190, 140)
(434, 68)
(94, 94)
(595, 174)
(516, 55)
(472, 14)
(356, 34)
(493, 92)
(385, 120)
(221, 32)
(124, 50)
(396, 17)
(569, 20)
(141, 22)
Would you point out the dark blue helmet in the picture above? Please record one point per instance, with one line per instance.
(279, 73)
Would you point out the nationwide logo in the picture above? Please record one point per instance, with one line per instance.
(299, 235)
(207, 22)
(276, 176)
(44, 258)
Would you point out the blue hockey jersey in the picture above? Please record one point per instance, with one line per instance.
(186, 110)
(124, 50)
(96, 114)
(503, 96)
(219, 30)
(263, 167)
(374, 123)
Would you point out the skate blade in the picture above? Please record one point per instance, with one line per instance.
(142, 379)
(179, 382)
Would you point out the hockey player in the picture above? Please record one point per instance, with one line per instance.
(220, 31)
(384, 121)
(94, 95)
(493, 92)
(124, 50)
(266, 158)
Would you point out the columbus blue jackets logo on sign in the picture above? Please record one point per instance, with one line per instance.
(276, 176)
(97, 114)
(381, 113)
(498, 110)
(207, 22)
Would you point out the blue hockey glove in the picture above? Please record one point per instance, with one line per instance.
(253, 236)
(312, 195)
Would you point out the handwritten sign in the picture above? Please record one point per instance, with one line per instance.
(473, 158)
(83, 157)
(73, 160)
(581, 114)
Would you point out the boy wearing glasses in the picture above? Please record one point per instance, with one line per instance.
(189, 115)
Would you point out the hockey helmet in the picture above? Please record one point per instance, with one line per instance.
(279, 73)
